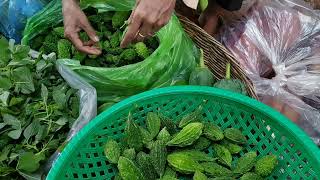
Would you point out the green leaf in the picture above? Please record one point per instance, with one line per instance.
(41, 133)
(15, 134)
(20, 52)
(15, 101)
(4, 98)
(12, 121)
(62, 121)
(44, 93)
(21, 62)
(5, 171)
(5, 83)
(4, 52)
(2, 125)
(23, 80)
(28, 162)
(5, 152)
(31, 130)
(59, 97)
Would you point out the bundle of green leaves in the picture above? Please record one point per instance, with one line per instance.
(110, 27)
(37, 108)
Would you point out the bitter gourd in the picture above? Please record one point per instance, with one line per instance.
(164, 135)
(245, 163)
(199, 176)
(201, 144)
(195, 116)
(129, 170)
(266, 165)
(187, 135)
(112, 151)
(183, 164)
(153, 124)
(158, 155)
(129, 153)
(223, 154)
(251, 176)
(235, 136)
(144, 162)
(216, 170)
(133, 135)
(213, 132)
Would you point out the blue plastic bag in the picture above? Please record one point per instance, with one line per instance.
(14, 15)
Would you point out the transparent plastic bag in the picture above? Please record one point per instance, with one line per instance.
(278, 45)
(87, 110)
(14, 14)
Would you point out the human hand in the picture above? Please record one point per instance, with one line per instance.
(148, 17)
(74, 21)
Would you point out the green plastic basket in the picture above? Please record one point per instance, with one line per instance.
(268, 130)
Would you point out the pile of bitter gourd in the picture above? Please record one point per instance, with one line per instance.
(192, 148)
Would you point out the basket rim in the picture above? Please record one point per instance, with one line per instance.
(296, 132)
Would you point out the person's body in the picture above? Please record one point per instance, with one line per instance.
(146, 19)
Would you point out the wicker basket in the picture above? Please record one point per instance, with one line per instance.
(216, 55)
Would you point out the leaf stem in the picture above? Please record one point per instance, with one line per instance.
(228, 71)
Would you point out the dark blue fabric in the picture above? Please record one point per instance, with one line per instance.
(14, 15)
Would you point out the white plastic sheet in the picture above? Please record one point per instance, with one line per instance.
(278, 45)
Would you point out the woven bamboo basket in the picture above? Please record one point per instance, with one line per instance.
(215, 54)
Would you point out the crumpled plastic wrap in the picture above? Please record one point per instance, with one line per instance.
(14, 14)
(278, 45)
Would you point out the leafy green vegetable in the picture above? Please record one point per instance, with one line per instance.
(36, 109)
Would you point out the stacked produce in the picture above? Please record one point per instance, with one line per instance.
(193, 148)
(202, 76)
(37, 108)
(110, 28)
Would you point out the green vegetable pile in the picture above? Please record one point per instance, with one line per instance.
(110, 28)
(37, 108)
(168, 151)
(202, 76)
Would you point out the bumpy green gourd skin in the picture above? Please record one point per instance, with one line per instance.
(128, 170)
(266, 165)
(142, 50)
(168, 178)
(235, 136)
(158, 154)
(216, 170)
(112, 151)
(59, 31)
(64, 49)
(199, 176)
(213, 132)
(133, 135)
(195, 116)
(129, 153)
(233, 148)
(169, 124)
(79, 56)
(117, 177)
(201, 144)
(223, 154)
(183, 164)
(234, 85)
(245, 163)
(144, 163)
(119, 18)
(188, 135)
(201, 76)
(170, 172)
(164, 135)
(223, 178)
(153, 124)
(146, 135)
(251, 176)
(195, 155)
(128, 55)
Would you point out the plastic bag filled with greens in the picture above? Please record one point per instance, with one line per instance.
(41, 109)
(169, 64)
